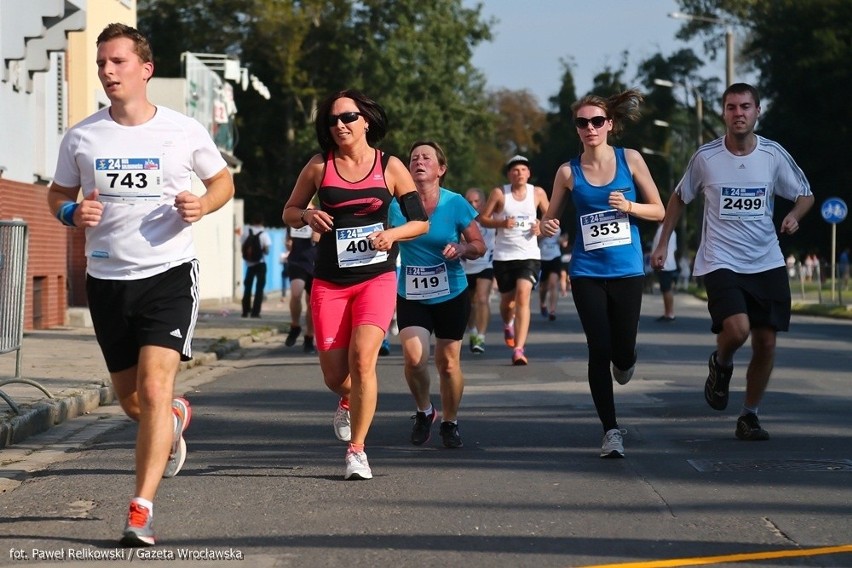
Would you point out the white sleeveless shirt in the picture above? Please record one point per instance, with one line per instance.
(519, 242)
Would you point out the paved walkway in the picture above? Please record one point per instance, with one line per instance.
(67, 362)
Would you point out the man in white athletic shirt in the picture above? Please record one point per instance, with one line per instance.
(132, 163)
(744, 271)
(511, 209)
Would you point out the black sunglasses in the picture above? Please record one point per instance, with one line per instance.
(597, 121)
(344, 117)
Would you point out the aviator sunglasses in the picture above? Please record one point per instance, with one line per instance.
(597, 121)
(344, 117)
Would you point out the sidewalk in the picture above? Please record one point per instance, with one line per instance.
(67, 362)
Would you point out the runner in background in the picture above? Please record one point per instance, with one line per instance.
(480, 279)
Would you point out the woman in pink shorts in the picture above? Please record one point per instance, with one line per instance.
(353, 295)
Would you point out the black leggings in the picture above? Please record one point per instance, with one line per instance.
(609, 311)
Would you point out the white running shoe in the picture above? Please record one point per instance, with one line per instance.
(177, 456)
(622, 377)
(342, 427)
(613, 444)
(357, 466)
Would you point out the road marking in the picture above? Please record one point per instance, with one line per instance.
(702, 560)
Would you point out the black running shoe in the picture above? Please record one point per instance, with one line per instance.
(294, 332)
(422, 430)
(450, 435)
(308, 346)
(716, 387)
(748, 428)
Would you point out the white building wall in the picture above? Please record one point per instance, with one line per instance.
(216, 242)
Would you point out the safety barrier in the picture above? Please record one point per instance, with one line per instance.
(14, 238)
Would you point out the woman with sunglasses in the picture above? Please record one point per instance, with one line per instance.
(611, 189)
(432, 293)
(355, 268)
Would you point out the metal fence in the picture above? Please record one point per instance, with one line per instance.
(14, 239)
(13, 285)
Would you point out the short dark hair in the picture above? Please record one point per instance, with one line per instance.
(140, 42)
(372, 112)
(739, 89)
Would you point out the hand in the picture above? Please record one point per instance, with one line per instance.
(90, 211)
(618, 201)
(454, 251)
(319, 221)
(189, 206)
(658, 257)
(550, 227)
(381, 240)
(536, 228)
(789, 225)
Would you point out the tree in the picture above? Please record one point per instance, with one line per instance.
(801, 48)
(412, 57)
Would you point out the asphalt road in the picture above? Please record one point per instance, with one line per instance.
(264, 476)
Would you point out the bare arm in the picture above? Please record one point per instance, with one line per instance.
(86, 214)
(296, 212)
(651, 208)
(542, 204)
(562, 184)
(471, 247)
(790, 224)
(400, 182)
(220, 190)
(492, 206)
(674, 210)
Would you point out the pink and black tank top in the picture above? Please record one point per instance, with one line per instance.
(344, 255)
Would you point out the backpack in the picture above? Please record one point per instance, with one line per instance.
(252, 249)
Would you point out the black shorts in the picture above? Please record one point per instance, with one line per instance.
(299, 273)
(508, 272)
(487, 274)
(666, 279)
(764, 297)
(447, 320)
(552, 266)
(160, 310)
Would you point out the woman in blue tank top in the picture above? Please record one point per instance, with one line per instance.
(611, 188)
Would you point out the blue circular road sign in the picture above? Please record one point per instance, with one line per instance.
(834, 210)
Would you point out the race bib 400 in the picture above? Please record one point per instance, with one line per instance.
(355, 249)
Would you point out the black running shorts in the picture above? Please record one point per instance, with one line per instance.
(159, 310)
(764, 297)
(447, 320)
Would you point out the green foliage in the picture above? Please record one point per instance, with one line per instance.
(801, 49)
(414, 58)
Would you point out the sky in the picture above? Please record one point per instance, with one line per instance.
(533, 35)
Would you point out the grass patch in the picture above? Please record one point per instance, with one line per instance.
(824, 310)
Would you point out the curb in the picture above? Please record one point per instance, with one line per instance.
(44, 415)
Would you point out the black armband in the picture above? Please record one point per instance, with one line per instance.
(412, 207)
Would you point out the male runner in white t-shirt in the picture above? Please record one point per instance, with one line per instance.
(132, 161)
(744, 270)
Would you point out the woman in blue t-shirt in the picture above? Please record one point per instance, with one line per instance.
(432, 292)
(611, 188)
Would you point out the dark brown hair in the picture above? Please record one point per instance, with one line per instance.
(372, 112)
(141, 46)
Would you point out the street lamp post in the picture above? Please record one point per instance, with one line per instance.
(699, 107)
(729, 40)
